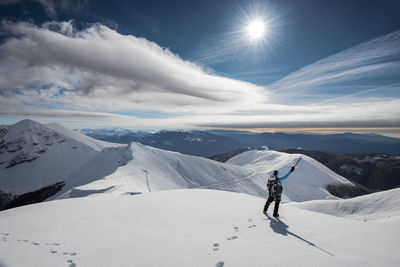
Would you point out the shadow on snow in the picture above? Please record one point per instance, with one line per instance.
(280, 227)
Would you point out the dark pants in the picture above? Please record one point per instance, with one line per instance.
(271, 198)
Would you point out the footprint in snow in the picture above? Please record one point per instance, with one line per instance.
(236, 228)
(70, 253)
(70, 263)
(220, 264)
(251, 226)
(5, 235)
(35, 243)
(216, 246)
(52, 244)
(232, 238)
(52, 251)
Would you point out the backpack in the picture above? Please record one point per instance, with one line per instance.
(274, 186)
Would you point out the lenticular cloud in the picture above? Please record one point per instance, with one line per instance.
(99, 62)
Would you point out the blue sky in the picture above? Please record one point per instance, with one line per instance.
(321, 65)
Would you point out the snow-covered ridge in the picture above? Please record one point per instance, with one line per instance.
(34, 155)
(382, 206)
(91, 167)
(148, 169)
(307, 182)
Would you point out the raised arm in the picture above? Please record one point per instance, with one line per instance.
(286, 175)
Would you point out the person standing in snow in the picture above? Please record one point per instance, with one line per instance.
(275, 191)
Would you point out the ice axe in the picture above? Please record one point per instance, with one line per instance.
(297, 162)
(292, 169)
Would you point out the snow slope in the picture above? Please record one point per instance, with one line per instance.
(139, 168)
(307, 182)
(34, 155)
(378, 207)
(45, 154)
(53, 153)
(188, 228)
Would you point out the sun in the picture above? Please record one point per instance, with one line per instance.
(256, 29)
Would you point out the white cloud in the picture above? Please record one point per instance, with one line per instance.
(98, 62)
(59, 72)
(376, 59)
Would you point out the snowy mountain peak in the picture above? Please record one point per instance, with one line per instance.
(25, 141)
(27, 123)
(34, 155)
(30, 130)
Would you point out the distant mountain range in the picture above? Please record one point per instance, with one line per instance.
(197, 143)
(113, 135)
(209, 143)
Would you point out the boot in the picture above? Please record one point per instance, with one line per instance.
(265, 209)
(269, 201)
(276, 208)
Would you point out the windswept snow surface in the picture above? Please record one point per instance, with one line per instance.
(378, 207)
(34, 155)
(187, 228)
(307, 182)
(139, 168)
